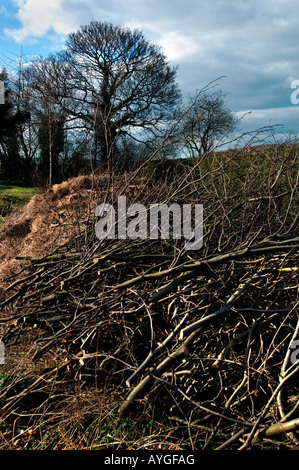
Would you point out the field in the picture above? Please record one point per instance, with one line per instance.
(139, 344)
(13, 196)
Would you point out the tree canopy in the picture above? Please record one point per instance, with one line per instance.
(111, 81)
(206, 121)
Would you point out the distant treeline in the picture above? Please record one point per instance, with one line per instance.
(109, 99)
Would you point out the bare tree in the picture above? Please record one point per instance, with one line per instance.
(12, 119)
(110, 81)
(51, 141)
(206, 122)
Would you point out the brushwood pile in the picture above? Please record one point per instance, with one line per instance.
(138, 343)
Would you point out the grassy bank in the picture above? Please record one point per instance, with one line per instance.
(13, 196)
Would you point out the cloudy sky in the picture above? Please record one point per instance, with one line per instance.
(254, 44)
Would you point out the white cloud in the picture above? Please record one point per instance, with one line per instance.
(177, 46)
(37, 18)
(283, 118)
(271, 113)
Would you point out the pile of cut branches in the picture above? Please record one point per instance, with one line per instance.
(201, 343)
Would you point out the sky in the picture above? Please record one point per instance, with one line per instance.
(252, 44)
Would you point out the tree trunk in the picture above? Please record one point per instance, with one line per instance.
(50, 145)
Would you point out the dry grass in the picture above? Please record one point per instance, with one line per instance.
(45, 222)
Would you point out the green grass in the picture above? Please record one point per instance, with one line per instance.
(13, 196)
